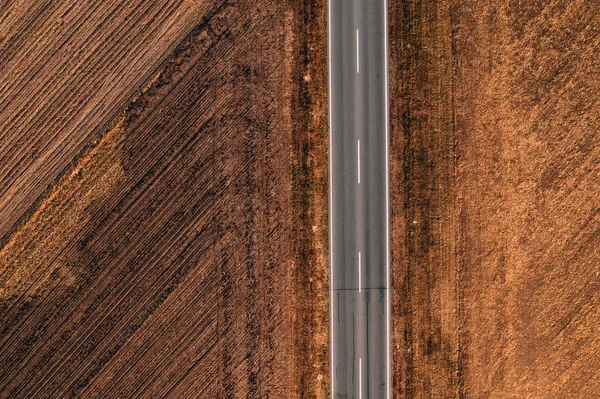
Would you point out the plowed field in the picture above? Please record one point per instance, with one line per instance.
(154, 172)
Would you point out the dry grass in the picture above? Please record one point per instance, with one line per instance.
(495, 198)
(309, 196)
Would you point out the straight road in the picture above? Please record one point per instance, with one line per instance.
(359, 199)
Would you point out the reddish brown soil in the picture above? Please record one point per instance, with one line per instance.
(496, 196)
(153, 247)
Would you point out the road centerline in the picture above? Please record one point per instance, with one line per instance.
(360, 377)
(358, 156)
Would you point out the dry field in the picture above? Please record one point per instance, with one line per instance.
(163, 210)
(496, 190)
(158, 199)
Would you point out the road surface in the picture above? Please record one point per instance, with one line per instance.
(359, 199)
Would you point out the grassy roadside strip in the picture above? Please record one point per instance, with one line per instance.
(310, 271)
(425, 218)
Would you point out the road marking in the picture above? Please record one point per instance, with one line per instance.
(331, 300)
(358, 152)
(357, 53)
(331, 280)
(360, 378)
(359, 273)
(387, 198)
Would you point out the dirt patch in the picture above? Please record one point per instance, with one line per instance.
(33, 254)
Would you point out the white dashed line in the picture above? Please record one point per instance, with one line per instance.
(360, 378)
(358, 156)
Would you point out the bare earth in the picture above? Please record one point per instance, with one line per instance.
(149, 200)
(496, 197)
(163, 188)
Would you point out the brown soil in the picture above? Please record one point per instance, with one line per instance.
(66, 69)
(495, 197)
(167, 244)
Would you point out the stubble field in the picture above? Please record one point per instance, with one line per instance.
(496, 196)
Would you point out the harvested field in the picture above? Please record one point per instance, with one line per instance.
(495, 197)
(152, 193)
(163, 199)
(66, 70)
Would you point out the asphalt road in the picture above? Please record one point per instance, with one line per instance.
(359, 199)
